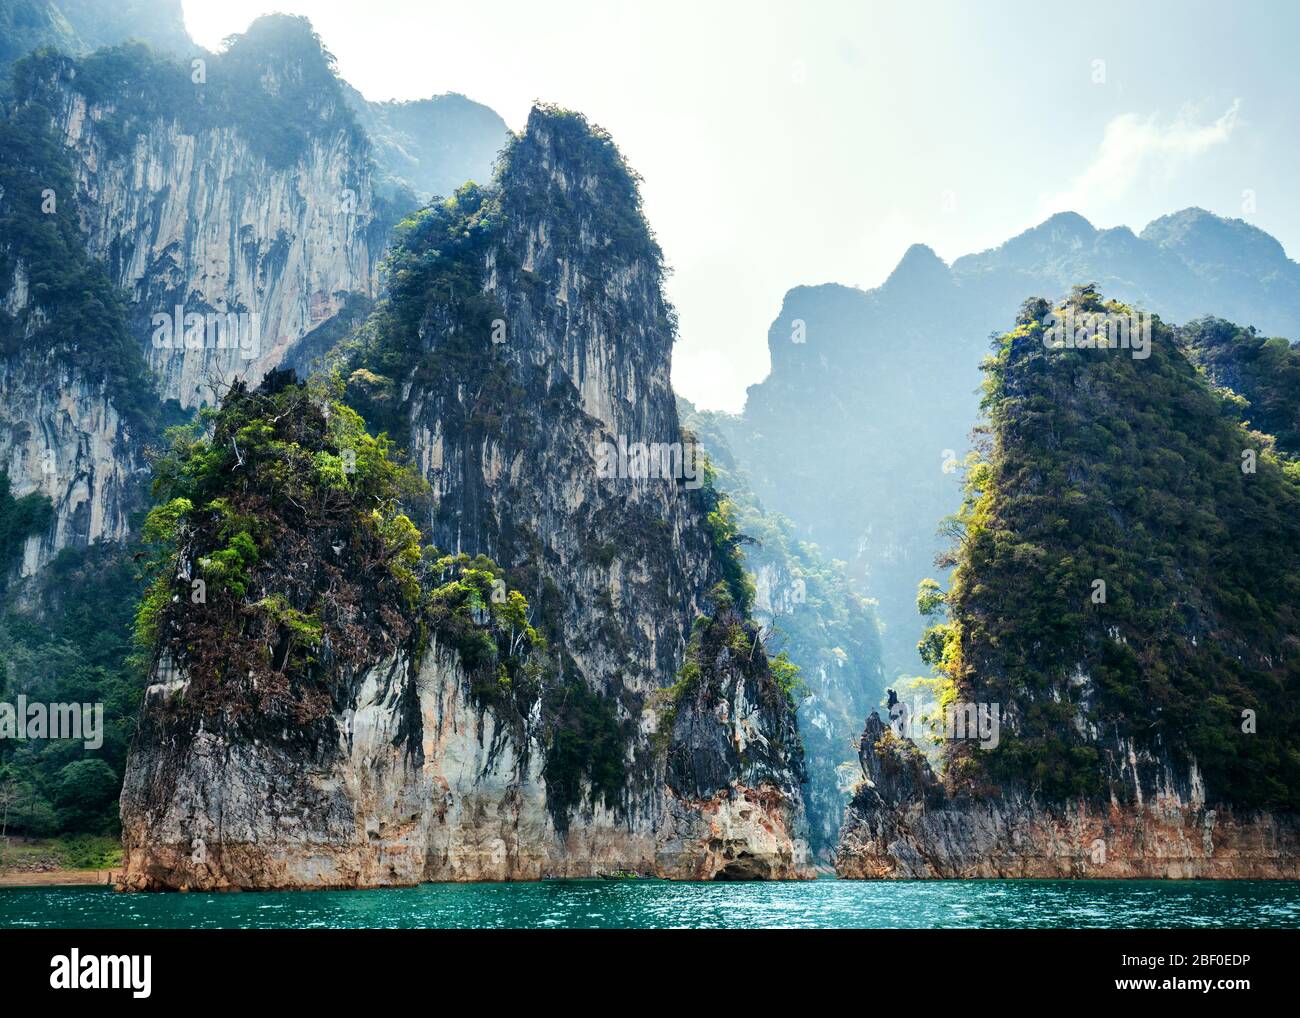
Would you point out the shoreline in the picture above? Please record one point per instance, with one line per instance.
(56, 878)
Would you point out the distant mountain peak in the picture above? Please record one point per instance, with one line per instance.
(1061, 226)
(919, 267)
(1067, 220)
(1202, 237)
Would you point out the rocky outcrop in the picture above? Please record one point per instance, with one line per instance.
(523, 343)
(902, 824)
(361, 809)
(1095, 636)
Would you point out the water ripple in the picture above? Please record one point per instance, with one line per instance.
(601, 904)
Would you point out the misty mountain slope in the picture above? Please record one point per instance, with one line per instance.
(1126, 596)
(610, 707)
(432, 145)
(810, 613)
(76, 27)
(869, 393)
(855, 435)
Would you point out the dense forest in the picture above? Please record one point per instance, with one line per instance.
(1126, 573)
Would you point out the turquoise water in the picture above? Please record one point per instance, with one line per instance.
(656, 904)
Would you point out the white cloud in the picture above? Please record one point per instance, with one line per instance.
(1135, 149)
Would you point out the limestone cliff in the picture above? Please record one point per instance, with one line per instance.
(902, 825)
(76, 407)
(218, 249)
(1118, 641)
(60, 436)
(239, 185)
(522, 349)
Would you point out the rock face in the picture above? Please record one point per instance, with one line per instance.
(75, 403)
(221, 812)
(234, 253)
(60, 435)
(902, 825)
(659, 741)
(1118, 673)
(192, 217)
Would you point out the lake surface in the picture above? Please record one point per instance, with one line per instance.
(659, 904)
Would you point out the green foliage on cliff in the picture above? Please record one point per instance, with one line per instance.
(1266, 372)
(20, 518)
(74, 315)
(587, 748)
(489, 626)
(436, 260)
(721, 521)
(281, 554)
(275, 84)
(284, 564)
(1133, 473)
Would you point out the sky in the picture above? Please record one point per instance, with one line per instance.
(784, 144)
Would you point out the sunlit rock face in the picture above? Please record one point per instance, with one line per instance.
(617, 763)
(196, 221)
(231, 248)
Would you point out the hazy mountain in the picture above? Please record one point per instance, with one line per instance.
(850, 435)
(432, 145)
(813, 615)
(78, 26)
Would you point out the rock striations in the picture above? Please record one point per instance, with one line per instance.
(521, 353)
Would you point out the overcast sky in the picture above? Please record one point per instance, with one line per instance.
(810, 142)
